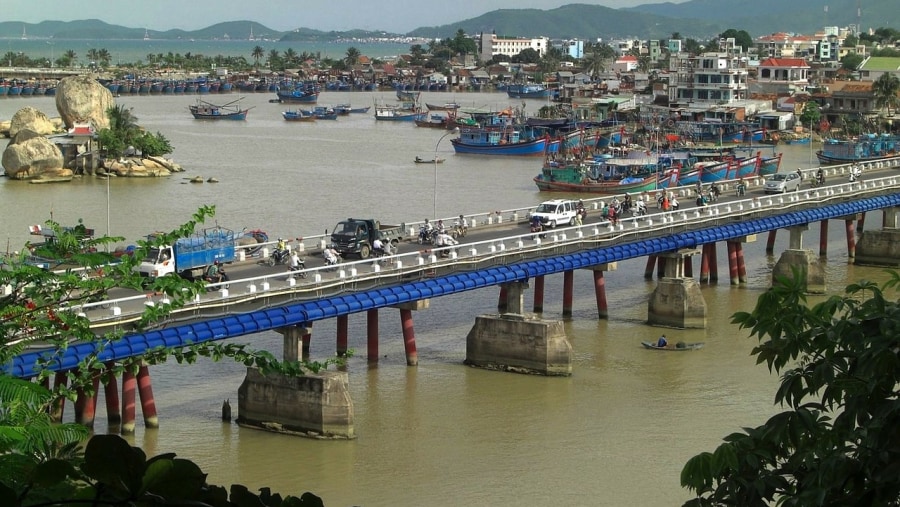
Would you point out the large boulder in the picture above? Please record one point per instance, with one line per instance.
(82, 99)
(29, 155)
(29, 118)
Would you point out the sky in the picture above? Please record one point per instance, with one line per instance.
(399, 16)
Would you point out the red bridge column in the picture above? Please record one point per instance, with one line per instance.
(409, 337)
(342, 334)
(568, 291)
(539, 294)
(770, 242)
(56, 410)
(688, 267)
(704, 263)
(600, 288)
(861, 223)
(372, 335)
(111, 395)
(306, 338)
(713, 263)
(823, 237)
(732, 263)
(851, 238)
(651, 263)
(742, 268)
(148, 404)
(85, 405)
(501, 302)
(129, 390)
(661, 262)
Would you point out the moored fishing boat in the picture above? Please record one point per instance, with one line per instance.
(297, 115)
(527, 91)
(607, 176)
(510, 141)
(394, 113)
(447, 106)
(769, 165)
(203, 110)
(865, 148)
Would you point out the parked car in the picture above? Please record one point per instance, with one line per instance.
(781, 183)
(556, 212)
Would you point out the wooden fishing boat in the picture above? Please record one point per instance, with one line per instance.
(677, 347)
(203, 110)
(865, 148)
(394, 113)
(297, 116)
(429, 161)
(448, 106)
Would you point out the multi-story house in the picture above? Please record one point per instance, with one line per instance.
(710, 78)
(781, 76)
(490, 45)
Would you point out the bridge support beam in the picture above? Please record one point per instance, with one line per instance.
(823, 238)
(372, 335)
(651, 264)
(851, 238)
(881, 248)
(56, 410)
(129, 391)
(316, 405)
(343, 334)
(111, 395)
(737, 268)
(568, 292)
(294, 349)
(86, 405)
(539, 294)
(770, 242)
(409, 332)
(148, 404)
(600, 287)
(677, 301)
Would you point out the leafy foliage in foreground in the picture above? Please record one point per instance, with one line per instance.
(113, 473)
(838, 443)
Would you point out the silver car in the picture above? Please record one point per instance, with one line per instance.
(781, 183)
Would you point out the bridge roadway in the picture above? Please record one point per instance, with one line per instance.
(497, 249)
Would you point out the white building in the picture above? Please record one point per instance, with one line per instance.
(490, 45)
(710, 78)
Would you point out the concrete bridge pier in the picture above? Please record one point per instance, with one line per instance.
(795, 257)
(294, 348)
(517, 342)
(882, 247)
(677, 301)
(600, 288)
(409, 333)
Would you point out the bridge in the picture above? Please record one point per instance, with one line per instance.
(500, 254)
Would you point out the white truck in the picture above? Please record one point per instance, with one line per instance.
(556, 212)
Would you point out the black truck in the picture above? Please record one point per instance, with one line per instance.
(355, 236)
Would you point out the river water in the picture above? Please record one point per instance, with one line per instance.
(617, 432)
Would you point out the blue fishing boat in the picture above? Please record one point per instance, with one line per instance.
(322, 113)
(298, 115)
(864, 148)
(396, 113)
(527, 91)
(769, 165)
(501, 141)
(635, 173)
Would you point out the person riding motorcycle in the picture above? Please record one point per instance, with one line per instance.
(215, 273)
(460, 228)
(426, 232)
(280, 255)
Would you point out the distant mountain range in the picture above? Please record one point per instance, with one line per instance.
(698, 19)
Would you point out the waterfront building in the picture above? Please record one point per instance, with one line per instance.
(710, 78)
(490, 45)
(781, 76)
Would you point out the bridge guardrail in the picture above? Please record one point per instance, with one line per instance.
(233, 295)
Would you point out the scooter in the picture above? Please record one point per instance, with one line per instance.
(639, 210)
(740, 189)
(299, 269)
(426, 235)
(224, 278)
(279, 257)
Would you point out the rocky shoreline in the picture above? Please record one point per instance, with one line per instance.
(50, 150)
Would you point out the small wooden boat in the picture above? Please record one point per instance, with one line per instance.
(449, 106)
(297, 116)
(430, 161)
(203, 110)
(677, 347)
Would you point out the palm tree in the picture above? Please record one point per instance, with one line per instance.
(70, 56)
(885, 89)
(290, 57)
(352, 57)
(258, 52)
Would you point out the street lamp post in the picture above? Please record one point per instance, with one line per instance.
(435, 162)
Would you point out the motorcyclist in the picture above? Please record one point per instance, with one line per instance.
(378, 247)
(444, 239)
(214, 273)
(280, 252)
(331, 256)
(741, 187)
(425, 231)
(460, 225)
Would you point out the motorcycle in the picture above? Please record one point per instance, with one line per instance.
(855, 174)
(301, 265)
(740, 189)
(279, 257)
(427, 234)
(640, 209)
(222, 278)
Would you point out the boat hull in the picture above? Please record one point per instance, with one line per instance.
(532, 148)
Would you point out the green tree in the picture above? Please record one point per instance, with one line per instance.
(837, 442)
(885, 89)
(527, 55)
(851, 61)
(741, 38)
(598, 57)
(122, 132)
(811, 114)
